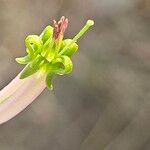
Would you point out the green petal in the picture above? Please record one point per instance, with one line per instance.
(71, 49)
(33, 67)
(28, 71)
(46, 34)
(37, 62)
(48, 80)
(65, 67)
(24, 60)
(68, 65)
(34, 44)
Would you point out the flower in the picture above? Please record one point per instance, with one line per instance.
(49, 53)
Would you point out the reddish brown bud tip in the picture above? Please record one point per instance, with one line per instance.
(60, 27)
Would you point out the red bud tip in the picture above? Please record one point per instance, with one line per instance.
(60, 27)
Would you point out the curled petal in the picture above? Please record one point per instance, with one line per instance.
(71, 49)
(34, 44)
(24, 60)
(46, 34)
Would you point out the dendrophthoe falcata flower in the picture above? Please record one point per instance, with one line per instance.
(48, 54)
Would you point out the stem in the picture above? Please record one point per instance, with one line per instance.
(25, 92)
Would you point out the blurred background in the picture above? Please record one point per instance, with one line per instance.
(104, 104)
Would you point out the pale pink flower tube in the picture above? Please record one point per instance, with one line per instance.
(18, 94)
